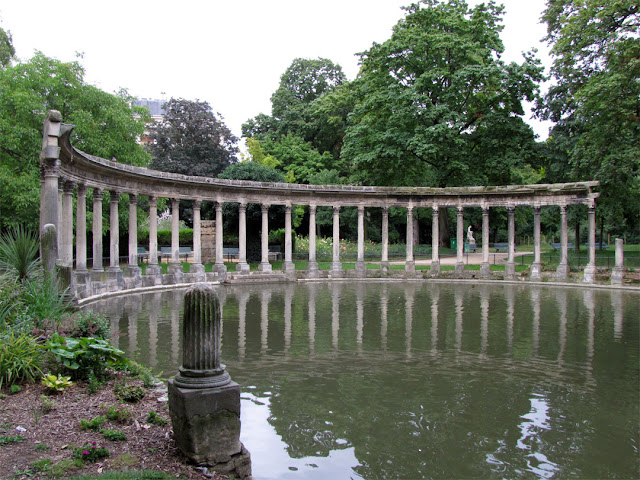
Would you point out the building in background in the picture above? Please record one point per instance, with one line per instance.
(157, 112)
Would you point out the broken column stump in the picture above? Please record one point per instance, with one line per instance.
(204, 403)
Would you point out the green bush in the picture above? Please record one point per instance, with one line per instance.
(90, 324)
(44, 301)
(19, 250)
(94, 424)
(185, 236)
(122, 414)
(113, 435)
(90, 452)
(129, 393)
(86, 356)
(20, 359)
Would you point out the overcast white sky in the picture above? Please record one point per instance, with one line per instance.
(230, 54)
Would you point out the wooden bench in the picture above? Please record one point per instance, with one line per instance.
(503, 246)
(143, 254)
(183, 252)
(470, 247)
(597, 244)
(230, 253)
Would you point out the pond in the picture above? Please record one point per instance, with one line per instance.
(418, 380)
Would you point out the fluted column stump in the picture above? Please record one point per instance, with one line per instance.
(204, 403)
(617, 274)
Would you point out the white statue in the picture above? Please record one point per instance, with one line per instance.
(470, 238)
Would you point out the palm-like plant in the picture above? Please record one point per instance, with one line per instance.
(19, 256)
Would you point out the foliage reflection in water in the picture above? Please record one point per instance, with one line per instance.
(418, 380)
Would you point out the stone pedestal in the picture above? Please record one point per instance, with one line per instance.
(242, 267)
(314, 272)
(510, 270)
(83, 283)
(385, 268)
(485, 270)
(197, 269)
(208, 241)
(589, 274)
(459, 268)
(336, 270)
(562, 271)
(361, 269)
(435, 269)
(132, 276)
(265, 267)
(410, 269)
(617, 275)
(204, 403)
(536, 272)
(176, 271)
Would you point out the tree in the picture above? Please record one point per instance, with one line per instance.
(7, 51)
(436, 106)
(191, 140)
(596, 100)
(106, 125)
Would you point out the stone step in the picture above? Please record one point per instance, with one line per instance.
(255, 277)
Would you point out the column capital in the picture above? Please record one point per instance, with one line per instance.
(153, 200)
(537, 209)
(385, 209)
(563, 209)
(51, 167)
(133, 199)
(313, 209)
(511, 208)
(197, 204)
(242, 206)
(360, 209)
(485, 210)
(287, 208)
(68, 186)
(81, 189)
(460, 209)
(435, 210)
(97, 193)
(218, 205)
(115, 195)
(264, 207)
(336, 209)
(175, 200)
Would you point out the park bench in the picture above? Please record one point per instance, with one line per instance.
(230, 253)
(557, 246)
(503, 246)
(275, 252)
(597, 244)
(143, 254)
(470, 247)
(183, 252)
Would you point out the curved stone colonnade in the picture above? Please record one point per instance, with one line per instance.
(65, 169)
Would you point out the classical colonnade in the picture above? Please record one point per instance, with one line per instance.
(64, 169)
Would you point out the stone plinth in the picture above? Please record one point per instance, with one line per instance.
(361, 269)
(204, 403)
(208, 240)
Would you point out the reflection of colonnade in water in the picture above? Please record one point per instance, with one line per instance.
(512, 322)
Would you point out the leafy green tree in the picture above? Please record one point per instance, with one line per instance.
(595, 101)
(7, 51)
(27, 91)
(435, 104)
(191, 140)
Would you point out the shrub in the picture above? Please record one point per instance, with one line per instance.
(47, 404)
(90, 324)
(45, 303)
(129, 393)
(86, 356)
(20, 359)
(122, 414)
(90, 452)
(94, 424)
(113, 435)
(156, 419)
(19, 250)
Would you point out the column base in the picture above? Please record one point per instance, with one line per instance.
(114, 276)
(361, 269)
(617, 276)
(435, 268)
(288, 267)
(510, 270)
(197, 269)
(485, 269)
(312, 267)
(242, 267)
(265, 267)
(562, 271)
(459, 268)
(536, 271)
(589, 274)
(221, 270)
(175, 273)
(152, 275)
(336, 270)
(83, 283)
(385, 267)
(132, 276)
(410, 268)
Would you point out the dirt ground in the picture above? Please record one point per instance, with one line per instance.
(48, 428)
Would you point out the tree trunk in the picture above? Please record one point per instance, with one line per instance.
(443, 228)
(576, 244)
(416, 232)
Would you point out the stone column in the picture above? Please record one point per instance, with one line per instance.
(59, 226)
(313, 263)
(81, 229)
(154, 272)
(242, 266)
(114, 271)
(196, 267)
(133, 273)
(510, 267)
(536, 267)
(204, 403)
(288, 266)
(49, 194)
(617, 275)
(361, 267)
(589, 275)
(385, 267)
(336, 266)
(460, 241)
(563, 267)
(410, 265)
(435, 241)
(485, 268)
(67, 224)
(97, 231)
(265, 266)
(175, 267)
(219, 267)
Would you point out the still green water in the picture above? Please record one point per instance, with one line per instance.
(418, 380)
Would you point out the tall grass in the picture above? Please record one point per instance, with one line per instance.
(20, 359)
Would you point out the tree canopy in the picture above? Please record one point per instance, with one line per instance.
(191, 140)
(595, 101)
(106, 125)
(435, 104)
